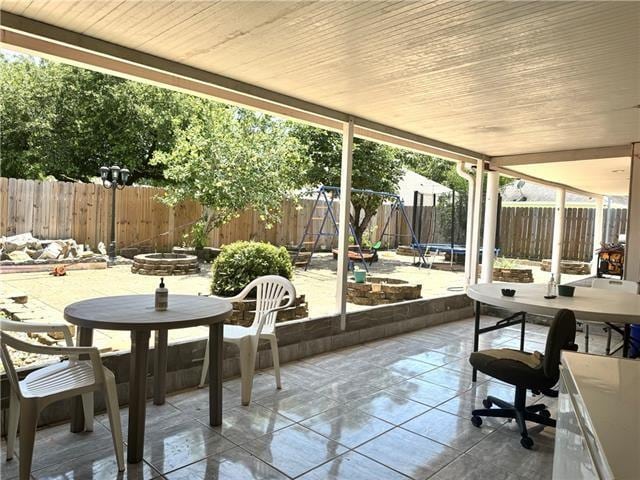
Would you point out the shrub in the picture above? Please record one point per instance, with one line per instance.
(199, 235)
(241, 262)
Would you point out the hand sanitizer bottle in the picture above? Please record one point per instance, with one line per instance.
(551, 287)
(162, 297)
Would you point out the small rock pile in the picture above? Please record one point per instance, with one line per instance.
(25, 248)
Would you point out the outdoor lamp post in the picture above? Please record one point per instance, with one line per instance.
(114, 178)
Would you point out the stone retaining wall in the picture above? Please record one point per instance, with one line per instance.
(165, 264)
(244, 312)
(381, 291)
(514, 275)
(568, 266)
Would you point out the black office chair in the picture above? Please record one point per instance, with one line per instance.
(526, 371)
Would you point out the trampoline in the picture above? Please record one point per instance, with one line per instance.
(452, 250)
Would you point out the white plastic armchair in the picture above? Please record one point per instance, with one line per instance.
(273, 293)
(7, 325)
(49, 384)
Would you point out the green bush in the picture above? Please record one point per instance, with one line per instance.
(241, 262)
(199, 235)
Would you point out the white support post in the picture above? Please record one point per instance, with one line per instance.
(558, 234)
(489, 234)
(345, 211)
(632, 249)
(460, 168)
(597, 233)
(477, 213)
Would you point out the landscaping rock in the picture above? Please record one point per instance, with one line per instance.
(19, 256)
(53, 250)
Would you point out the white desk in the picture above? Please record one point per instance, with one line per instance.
(598, 429)
(588, 304)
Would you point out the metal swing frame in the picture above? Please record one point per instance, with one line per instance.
(321, 195)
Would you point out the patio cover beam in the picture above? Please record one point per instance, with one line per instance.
(36, 37)
(515, 174)
(562, 156)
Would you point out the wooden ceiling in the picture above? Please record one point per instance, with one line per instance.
(500, 78)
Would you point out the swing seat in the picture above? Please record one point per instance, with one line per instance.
(355, 256)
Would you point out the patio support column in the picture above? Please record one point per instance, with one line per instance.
(489, 234)
(475, 235)
(597, 233)
(632, 250)
(343, 221)
(558, 233)
(460, 168)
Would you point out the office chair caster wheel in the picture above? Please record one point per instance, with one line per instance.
(487, 403)
(476, 421)
(545, 413)
(526, 442)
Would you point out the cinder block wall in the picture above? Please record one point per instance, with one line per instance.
(297, 339)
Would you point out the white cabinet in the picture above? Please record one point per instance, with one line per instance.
(598, 421)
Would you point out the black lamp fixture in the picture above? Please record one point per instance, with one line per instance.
(114, 178)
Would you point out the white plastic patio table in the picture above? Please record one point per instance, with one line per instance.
(588, 304)
(137, 314)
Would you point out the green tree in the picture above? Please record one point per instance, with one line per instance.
(375, 167)
(229, 159)
(66, 121)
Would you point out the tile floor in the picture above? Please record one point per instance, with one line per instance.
(392, 409)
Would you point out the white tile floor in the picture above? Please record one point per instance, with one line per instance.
(392, 409)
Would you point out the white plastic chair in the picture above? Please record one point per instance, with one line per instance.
(271, 292)
(627, 286)
(7, 325)
(49, 384)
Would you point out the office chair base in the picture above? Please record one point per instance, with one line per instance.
(537, 413)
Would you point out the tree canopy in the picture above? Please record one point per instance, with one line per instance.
(66, 122)
(375, 167)
(229, 159)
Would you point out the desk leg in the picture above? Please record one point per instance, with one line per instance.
(522, 329)
(137, 394)
(626, 340)
(476, 337)
(160, 367)
(85, 339)
(216, 334)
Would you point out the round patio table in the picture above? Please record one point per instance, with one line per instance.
(137, 314)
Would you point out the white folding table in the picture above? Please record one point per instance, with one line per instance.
(588, 304)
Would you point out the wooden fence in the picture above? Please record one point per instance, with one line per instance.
(527, 232)
(52, 210)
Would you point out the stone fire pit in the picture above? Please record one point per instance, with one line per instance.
(381, 291)
(165, 264)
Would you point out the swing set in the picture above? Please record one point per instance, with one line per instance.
(323, 203)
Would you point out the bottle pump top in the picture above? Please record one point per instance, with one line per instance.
(161, 282)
